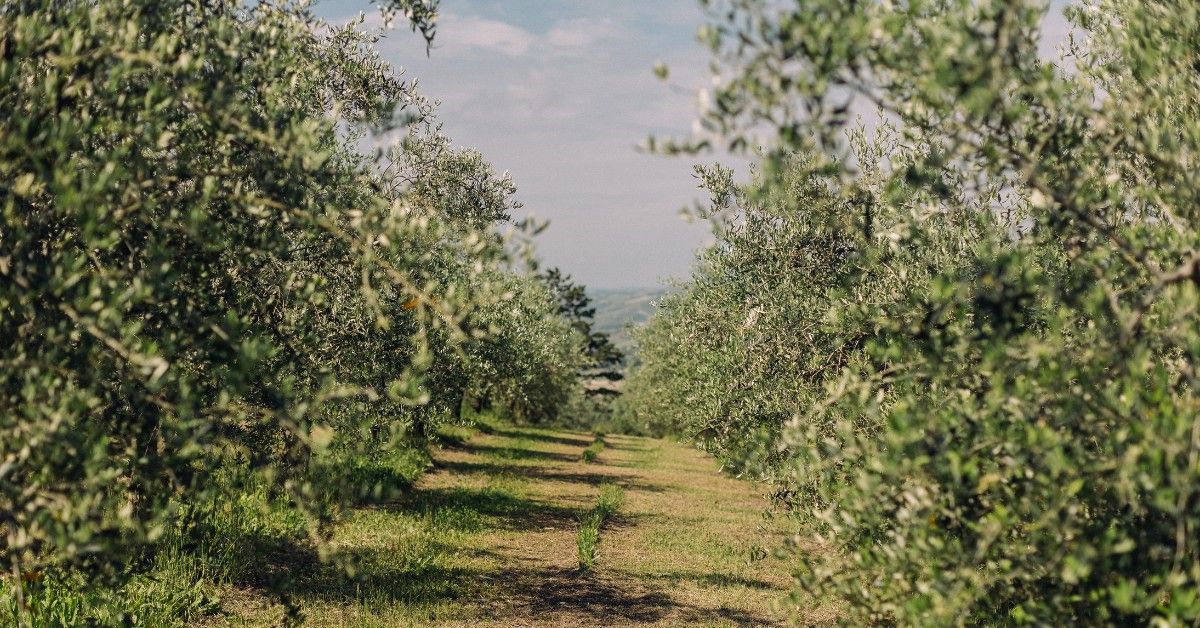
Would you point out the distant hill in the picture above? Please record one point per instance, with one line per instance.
(618, 308)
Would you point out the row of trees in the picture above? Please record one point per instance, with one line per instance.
(208, 283)
(963, 345)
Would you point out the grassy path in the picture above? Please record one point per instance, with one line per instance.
(488, 538)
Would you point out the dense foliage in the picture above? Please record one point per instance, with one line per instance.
(208, 289)
(965, 350)
(602, 367)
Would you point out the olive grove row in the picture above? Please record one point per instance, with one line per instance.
(212, 280)
(961, 341)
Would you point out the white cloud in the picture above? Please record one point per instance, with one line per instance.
(580, 33)
(561, 99)
(457, 32)
(464, 33)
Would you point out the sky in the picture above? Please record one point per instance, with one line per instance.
(559, 93)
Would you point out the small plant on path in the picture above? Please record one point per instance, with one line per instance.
(592, 451)
(590, 521)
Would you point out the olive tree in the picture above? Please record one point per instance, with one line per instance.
(1014, 439)
(205, 283)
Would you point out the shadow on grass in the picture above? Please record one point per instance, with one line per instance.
(522, 588)
(532, 472)
(271, 565)
(525, 590)
(517, 453)
(411, 574)
(378, 484)
(504, 510)
(710, 580)
(540, 592)
(626, 481)
(530, 434)
(382, 577)
(628, 443)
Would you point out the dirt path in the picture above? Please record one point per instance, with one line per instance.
(488, 538)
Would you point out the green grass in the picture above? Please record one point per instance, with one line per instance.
(458, 435)
(168, 595)
(385, 475)
(414, 560)
(412, 564)
(588, 539)
(590, 521)
(246, 540)
(591, 452)
(610, 500)
(228, 542)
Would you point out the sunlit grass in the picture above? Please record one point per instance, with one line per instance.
(588, 538)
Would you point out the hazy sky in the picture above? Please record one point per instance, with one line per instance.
(559, 93)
